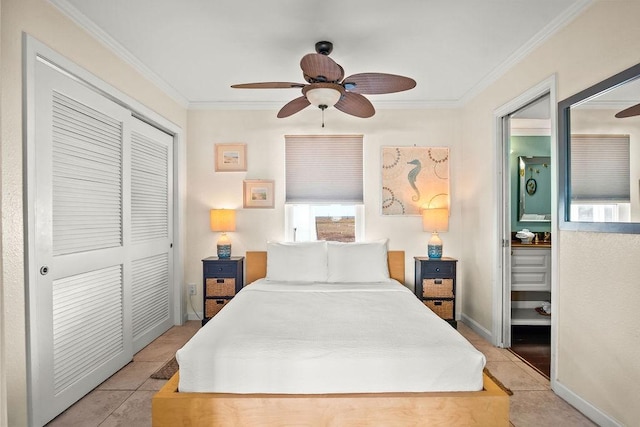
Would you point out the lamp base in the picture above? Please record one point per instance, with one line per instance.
(434, 251)
(224, 251)
(224, 246)
(434, 246)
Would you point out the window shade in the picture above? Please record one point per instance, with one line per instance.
(324, 169)
(600, 168)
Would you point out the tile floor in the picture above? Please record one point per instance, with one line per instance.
(125, 398)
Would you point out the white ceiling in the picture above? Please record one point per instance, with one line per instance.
(196, 49)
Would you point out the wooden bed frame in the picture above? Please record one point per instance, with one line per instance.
(488, 407)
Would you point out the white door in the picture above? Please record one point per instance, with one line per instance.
(151, 234)
(100, 261)
(505, 233)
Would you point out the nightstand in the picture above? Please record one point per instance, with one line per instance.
(435, 285)
(222, 278)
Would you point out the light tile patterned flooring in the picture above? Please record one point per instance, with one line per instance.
(125, 398)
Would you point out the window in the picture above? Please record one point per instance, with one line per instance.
(601, 212)
(308, 222)
(600, 178)
(600, 168)
(324, 188)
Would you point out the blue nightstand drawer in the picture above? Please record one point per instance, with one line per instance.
(438, 267)
(220, 269)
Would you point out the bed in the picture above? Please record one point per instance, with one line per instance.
(250, 381)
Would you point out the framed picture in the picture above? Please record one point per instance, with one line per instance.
(414, 178)
(231, 157)
(258, 193)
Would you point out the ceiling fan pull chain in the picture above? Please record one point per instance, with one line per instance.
(323, 117)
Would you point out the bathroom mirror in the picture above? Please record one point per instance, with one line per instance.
(599, 156)
(534, 204)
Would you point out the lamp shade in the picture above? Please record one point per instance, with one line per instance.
(222, 220)
(435, 219)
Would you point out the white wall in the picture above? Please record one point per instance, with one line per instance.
(39, 19)
(598, 347)
(264, 135)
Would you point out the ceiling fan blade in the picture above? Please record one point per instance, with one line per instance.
(318, 67)
(293, 107)
(629, 112)
(377, 83)
(356, 105)
(268, 85)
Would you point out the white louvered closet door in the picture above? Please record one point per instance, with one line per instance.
(151, 232)
(102, 225)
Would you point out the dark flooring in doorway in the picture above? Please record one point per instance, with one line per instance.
(533, 345)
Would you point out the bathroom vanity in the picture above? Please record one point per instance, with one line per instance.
(530, 282)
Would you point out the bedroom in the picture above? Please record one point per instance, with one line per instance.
(575, 54)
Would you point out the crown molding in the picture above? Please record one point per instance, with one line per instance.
(276, 105)
(85, 23)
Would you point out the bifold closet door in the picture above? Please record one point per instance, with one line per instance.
(102, 258)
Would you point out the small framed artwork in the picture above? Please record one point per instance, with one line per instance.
(258, 193)
(231, 157)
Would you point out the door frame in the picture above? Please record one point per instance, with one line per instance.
(501, 332)
(33, 52)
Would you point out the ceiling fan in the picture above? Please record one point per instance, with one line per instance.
(327, 87)
(629, 112)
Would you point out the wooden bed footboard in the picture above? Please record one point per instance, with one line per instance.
(489, 407)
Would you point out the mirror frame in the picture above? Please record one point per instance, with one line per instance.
(522, 191)
(564, 156)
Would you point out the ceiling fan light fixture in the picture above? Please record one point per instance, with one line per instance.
(327, 87)
(323, 95)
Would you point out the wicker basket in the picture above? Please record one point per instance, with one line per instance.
(443, 308)
(221, 287)
(213, 306)
(437, 288)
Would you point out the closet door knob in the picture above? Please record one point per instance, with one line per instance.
(44, 270)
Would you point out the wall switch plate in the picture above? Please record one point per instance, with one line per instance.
(192, 289)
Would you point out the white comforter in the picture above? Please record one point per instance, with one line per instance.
(313, 338)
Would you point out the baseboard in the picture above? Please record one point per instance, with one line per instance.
(587, 409)
(476, 327)
(194, 316)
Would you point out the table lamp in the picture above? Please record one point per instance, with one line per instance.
(223, 220)
(435, 220)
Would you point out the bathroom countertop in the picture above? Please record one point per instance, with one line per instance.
(518, 244)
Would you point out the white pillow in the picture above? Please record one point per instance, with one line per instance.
(297, 261)
(358, 262)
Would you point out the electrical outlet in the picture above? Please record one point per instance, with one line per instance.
(192, 289)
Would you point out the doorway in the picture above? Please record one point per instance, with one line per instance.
(526, 148)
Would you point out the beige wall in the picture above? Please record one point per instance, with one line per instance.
(41, 20)
(598, 296)
(264, 135)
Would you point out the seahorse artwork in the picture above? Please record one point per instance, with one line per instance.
(412, 176)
